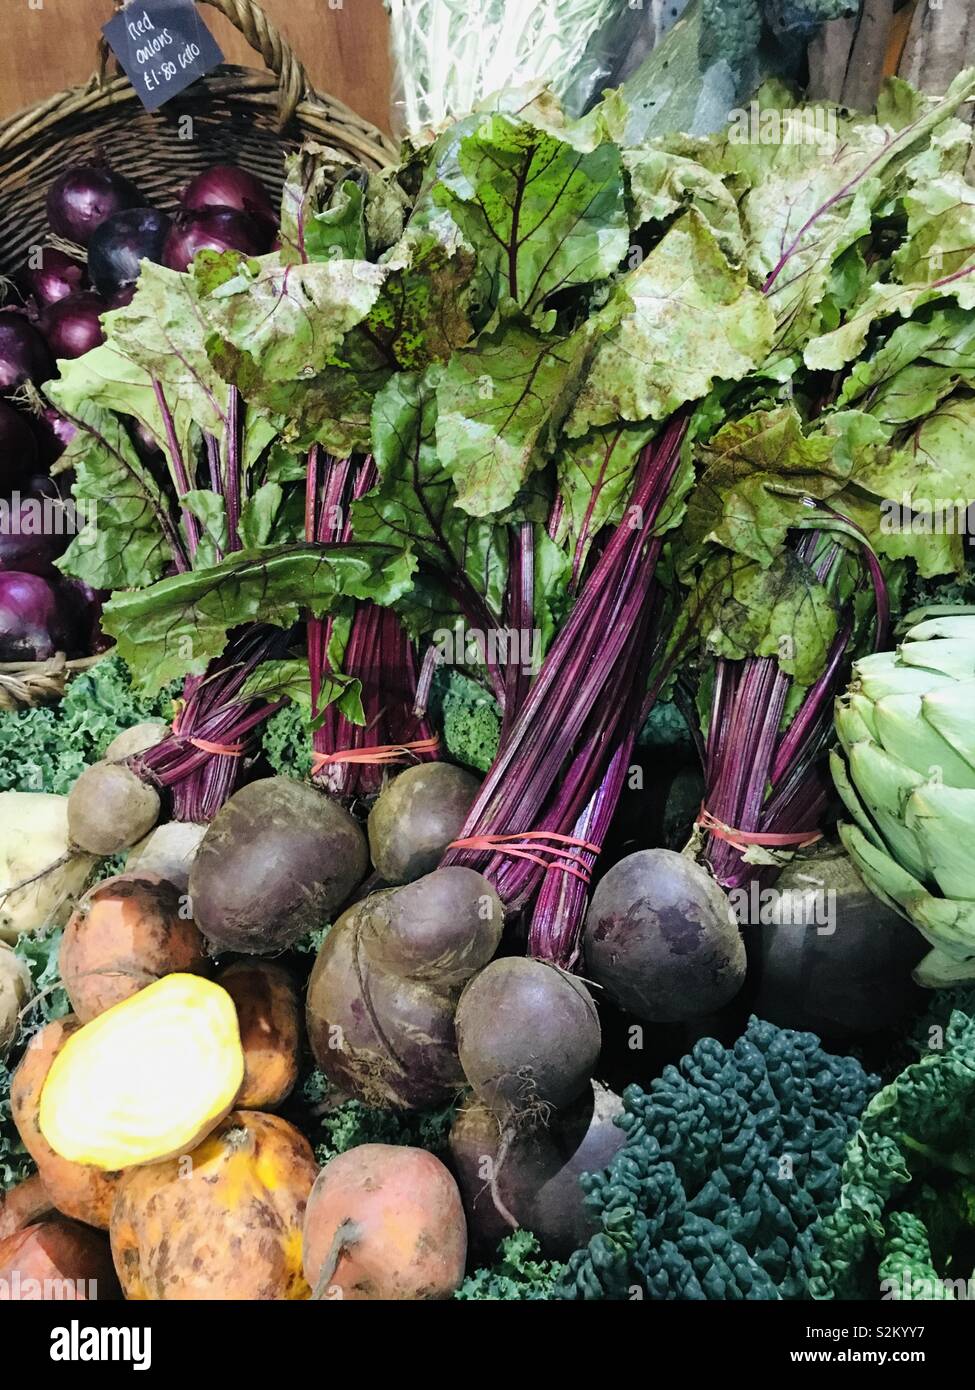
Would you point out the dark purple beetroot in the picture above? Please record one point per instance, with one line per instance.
(528, 1038)
(416, 817)
(277, 861)
(661, 940)
(385, 1039)
(830, 959)
(443, 928)
(533, 1179)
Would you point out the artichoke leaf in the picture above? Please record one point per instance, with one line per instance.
(942, 818)
(884, 785)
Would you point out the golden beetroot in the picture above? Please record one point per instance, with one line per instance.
(57, 1260)
(75, 1189)
(385, 1222)
(270, 1031)
(126, 933)
(224, 1223)
(147, 1079)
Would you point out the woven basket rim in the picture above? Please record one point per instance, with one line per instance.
(230, 79)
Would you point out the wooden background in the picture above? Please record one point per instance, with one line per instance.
(344, 49)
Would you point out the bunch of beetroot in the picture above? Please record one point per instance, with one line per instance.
(101, 229)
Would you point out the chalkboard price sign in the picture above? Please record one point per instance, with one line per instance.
(163, 46)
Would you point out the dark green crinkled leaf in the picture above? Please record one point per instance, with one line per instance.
(741, 608)
(685, 318)
(177, 625)
(541, 214)
(415, 501)
(124, 545)
(755, 473)
(499, 407)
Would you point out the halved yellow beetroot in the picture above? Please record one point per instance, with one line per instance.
(147, 1079)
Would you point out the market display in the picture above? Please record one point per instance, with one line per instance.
(507, 833)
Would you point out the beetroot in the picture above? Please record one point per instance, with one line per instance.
(533, 1179)
(278, 859)
(416, 817)
(383, 993)
(528, 1037)
(661, 940)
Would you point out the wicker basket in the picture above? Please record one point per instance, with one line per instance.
(237, 115)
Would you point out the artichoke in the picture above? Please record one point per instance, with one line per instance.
(906, 775)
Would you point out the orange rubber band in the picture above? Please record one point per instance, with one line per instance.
(741, 839)
(510, 845)
(223, 750)
(381, 754)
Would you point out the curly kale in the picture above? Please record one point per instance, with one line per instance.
(519, 1274)
(46, 749)
(335, 1128)
(730, 30)
(468, 717)
(286, 739)
(731, 1161)
(905, 1222)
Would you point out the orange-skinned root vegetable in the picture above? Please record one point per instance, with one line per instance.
(226, 1226)
(40, 871)
(533, 1180)
(269, 1018)
(168, 851)
(661, 939)
(385, 1222)
(57, 1260)
(14, 992)
(384, 989)
(126, 933)
(416, 817)
(277, 860)
(147, 1079)
(110, 809)
(75, 1189)
(528, 1038)
(24, 1204)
